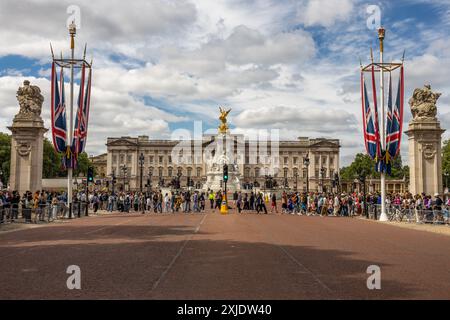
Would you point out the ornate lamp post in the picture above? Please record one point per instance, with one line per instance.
(322, 173)
(306, 162)
(179, 174)
(113, 181)
(149, 184)
(141, 165)
(124, 170)
(296, 181)
(362, 180)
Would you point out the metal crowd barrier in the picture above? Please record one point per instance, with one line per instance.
(42, 214)
(412, 215)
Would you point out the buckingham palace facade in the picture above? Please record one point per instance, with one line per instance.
(134, 159)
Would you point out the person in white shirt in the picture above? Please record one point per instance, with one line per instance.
(149, 204)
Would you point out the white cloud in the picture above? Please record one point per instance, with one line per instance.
(324, 12)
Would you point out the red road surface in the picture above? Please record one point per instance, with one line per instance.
(248, 256)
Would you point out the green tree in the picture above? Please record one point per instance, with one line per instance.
(5, 156)
(362, 164)
(398, 170)
(83, 164)
(446, 161)
(52, 165)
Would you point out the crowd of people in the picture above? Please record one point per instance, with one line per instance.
(48, 206)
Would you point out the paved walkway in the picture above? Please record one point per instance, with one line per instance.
(210, 256)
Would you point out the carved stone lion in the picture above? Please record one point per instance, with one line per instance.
(30, 100)
(423, 103)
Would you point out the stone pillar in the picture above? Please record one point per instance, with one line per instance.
(425, 155)
(27, 143)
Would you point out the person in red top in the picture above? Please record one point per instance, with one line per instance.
(274, 203)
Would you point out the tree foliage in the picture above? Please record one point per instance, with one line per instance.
(52, 164)
(5, 156)
(83, 164)
(446, 160)
(364, 165)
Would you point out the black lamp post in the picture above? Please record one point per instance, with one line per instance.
(149, 184)
(322, 173)
(362, 180)
(296, 181)
(306, 163)
(141, 164)
(113, 181)
(179, 174)
(124, 170)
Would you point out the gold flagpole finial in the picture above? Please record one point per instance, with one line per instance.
(381, 36)
(72, 32)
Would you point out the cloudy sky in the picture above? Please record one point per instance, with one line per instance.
(159, 65)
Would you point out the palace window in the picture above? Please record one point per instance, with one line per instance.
(160, 172)
(129, 158)
(199, 172)
(285, 172)
(170, 171)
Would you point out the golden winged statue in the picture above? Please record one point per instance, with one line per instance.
(223, 128)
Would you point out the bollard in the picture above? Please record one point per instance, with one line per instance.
(224, 206)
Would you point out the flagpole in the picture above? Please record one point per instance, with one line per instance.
(381, 36)
(72, 32)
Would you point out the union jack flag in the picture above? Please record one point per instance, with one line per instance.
(370, 122)
(58, 111)
(82, 118)
(394, 121)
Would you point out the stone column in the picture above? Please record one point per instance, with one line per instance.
(27, 143)
(425, 155)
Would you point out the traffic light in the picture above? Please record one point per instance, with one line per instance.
(90, 175)
(225, 172)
